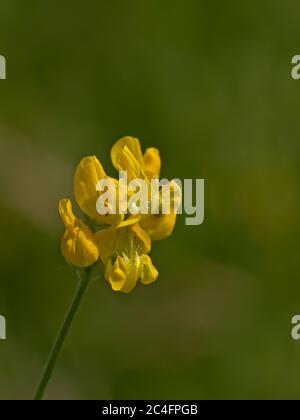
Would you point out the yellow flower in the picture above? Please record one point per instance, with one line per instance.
(124, 245)
(149, 273)
(126, 155)
(88, 173)
(158, 226)
(123, 274)
(78, 244)
(124, 250)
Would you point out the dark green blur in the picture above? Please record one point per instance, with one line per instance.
(209, 84)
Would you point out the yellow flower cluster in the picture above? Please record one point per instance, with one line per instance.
(121, 243)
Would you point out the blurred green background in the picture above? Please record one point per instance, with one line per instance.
(209, 84)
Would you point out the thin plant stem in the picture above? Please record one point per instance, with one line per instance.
(65, 328)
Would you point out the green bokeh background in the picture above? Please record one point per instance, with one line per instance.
(208, 83)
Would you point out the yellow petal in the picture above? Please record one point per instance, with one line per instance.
(133, 240)
(106, 240)
(66, 212)
(142, 239)
(116, 276)
(131, 220)
(133, 274)
(79, 247)
(123, 275)
(117, 238)
(131, 143)
(88, 173)
(126, 155)
(149, 273)
(158, 226)
(152, 163)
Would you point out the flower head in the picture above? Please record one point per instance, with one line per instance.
(78, 244)
(119, 244)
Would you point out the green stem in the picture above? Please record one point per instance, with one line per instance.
(83, 283)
